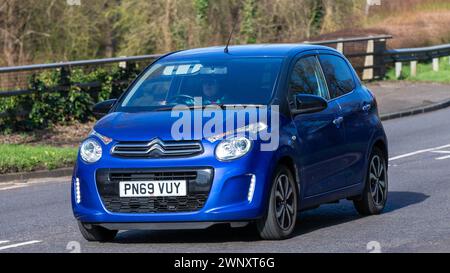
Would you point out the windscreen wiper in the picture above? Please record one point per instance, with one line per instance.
(190, 107)
(221, 105)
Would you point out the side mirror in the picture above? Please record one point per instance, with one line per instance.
(305, 103)
(102, 108)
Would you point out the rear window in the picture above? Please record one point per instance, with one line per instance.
(338, 75)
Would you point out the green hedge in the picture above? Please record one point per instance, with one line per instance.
(42, 108)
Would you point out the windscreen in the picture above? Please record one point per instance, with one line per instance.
(209, 81)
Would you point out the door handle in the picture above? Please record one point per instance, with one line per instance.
(367, 107)
(337, 121)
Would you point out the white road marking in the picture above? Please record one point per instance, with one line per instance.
(447, 156)
(20, 244)
(419, 152)
(31, 182)
(13, 187)
(441, 152)
(4, 242)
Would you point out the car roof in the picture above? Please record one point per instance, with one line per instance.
(254, 50)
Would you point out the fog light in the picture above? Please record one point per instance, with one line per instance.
(77, 191)
(251, 189)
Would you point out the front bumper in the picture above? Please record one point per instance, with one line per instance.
(227, 200)
(167, 225)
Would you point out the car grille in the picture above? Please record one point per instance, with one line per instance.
(198, 188)
(157, 148)
(155, 204)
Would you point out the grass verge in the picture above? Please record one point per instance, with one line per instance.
(20, 158)
(425, 72)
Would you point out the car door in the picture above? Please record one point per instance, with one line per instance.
(355, 109)
(320, 134)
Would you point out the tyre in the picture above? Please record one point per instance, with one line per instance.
(374, 196)
(95, 233)
(281, 215)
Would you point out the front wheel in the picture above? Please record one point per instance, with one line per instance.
(374, 196)
(279, 221)
(96, 233)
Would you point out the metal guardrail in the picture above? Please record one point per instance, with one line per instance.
(14, 81)
(15, 78)
(414, 55)
(78, 63)
(417, 54)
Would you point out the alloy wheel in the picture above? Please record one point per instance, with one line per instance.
(377, 180)
(284, 202)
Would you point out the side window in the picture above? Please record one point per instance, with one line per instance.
(307, 78)
(338, 75)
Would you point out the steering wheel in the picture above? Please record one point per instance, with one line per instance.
(181, 98)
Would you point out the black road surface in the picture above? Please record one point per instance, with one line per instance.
(36, 217)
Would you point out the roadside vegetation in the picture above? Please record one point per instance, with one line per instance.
(52, 31)
(19, 158)
(412, 23)
(43, 109)
(42, 149)
(424, 73)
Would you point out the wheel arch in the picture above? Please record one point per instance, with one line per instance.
(380, 144)
(290, 163)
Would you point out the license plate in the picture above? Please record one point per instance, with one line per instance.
(152, 188)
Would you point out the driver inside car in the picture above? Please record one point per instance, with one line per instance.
(211, 94)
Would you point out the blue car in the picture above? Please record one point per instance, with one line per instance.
(172, 153)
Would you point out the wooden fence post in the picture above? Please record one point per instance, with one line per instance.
(368, 62)
(64, 80)
(123, 64)
(379, 63)
(340, 46)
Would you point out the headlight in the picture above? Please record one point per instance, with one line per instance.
(103, 138)
(90, 151)
(253, 128)
(233, 148)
